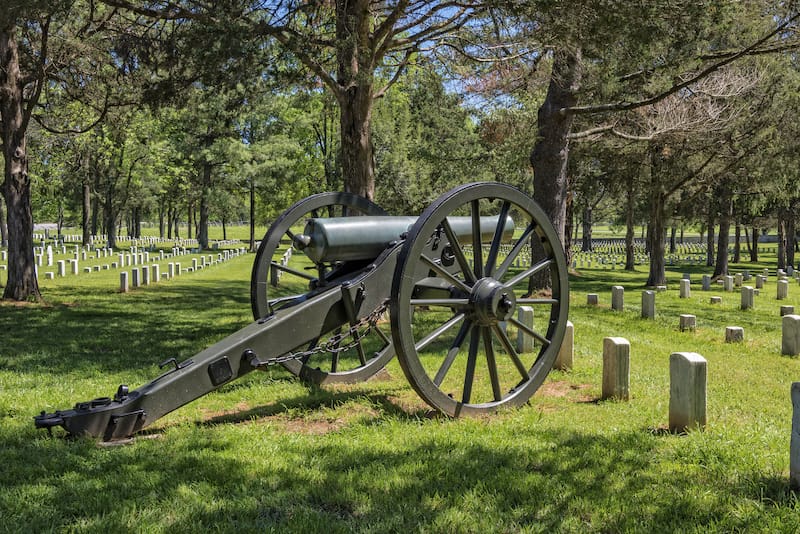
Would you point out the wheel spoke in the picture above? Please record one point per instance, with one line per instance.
(458, 252)
(439, 302)
(516, 249)
(494, 249)
(491, 363)
(424, 342)
(512, 352)
(444, 273)
(477, 247)
(455, 347)
(529, 272)
(472, 357)
(529, 331)
(362, 357)
(295, 272)
(521, 301)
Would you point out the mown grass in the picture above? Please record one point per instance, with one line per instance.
(269, 453)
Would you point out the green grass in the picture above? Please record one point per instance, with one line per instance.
(269, 453)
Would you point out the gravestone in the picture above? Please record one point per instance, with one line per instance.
(716, 300)
(706, 282)
(74, 264)
(790, 335)
(685, 289)
(794, 443)
(565, 353)
(687, 322)
(783, 289)
(760, 279)
(617, 298)
(747, 298)
(135, 278)
(687, 391)
(734, 334)
(737, 280)
(787, 310)
(62, 268)
(727, 282)
(649, 304)
(524, 341)
(591, 299)
(616, 368)
(123, 281)
(155, 272)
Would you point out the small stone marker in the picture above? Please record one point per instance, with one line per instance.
(123, 281)
(156, 273)
(706, 282)
(727, 282)
(747, 297)
(686, 289)
(794, 444)
(687, 391)
(524, 341)
(790, 335)
(649, 304)
(737, 279)
(135, 280)
(62, 267)
(591, 299)
(787, 310)
(687, 322)
(565, 353)
(734, 334)
(616, 368)
(760, 281)
(783, 289)
(716, 300)
(49, 275)
(74, 264)
(617, 298)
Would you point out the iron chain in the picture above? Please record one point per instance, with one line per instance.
(333, 344)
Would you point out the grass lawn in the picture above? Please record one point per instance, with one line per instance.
(269, 453)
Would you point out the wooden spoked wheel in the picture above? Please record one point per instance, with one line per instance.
(280, 278)
(456, 296)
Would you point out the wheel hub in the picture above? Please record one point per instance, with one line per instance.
(491, 301)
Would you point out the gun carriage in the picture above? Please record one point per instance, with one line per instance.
(450, 280)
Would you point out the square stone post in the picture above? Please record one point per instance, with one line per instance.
(727, 282)
(616, 368)
(686, 289)
(524, 341)
(706, 282)
(687, 322)
(790, 335)
(649, 304)
(617, 298)
(687, 391)
(565, 353)
(734, 334)
(783, 289)
(747, 297)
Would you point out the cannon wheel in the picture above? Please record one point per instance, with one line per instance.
(454, 307)
(273, 284)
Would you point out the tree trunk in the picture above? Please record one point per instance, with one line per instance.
(673, 231)
(710, 238)
(754, 247)
(790, 239)
(737, 244)
(86, 211)
(586, 245)
(781, 239)
(550, 154)
(205, 196)
(189, 212)
(723, 239)
(630, 260)
(3, 224)
(658, 229)
(110, 218)
(162, 215)
(252, 214)
(21, 283)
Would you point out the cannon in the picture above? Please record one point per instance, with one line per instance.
(338, 287)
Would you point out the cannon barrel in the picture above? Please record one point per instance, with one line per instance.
(364, 238)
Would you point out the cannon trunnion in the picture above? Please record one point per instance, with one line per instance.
(330, 269)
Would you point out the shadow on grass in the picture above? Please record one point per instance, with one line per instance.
(441, 480)
(119, 332)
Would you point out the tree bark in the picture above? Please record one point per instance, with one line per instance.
(737, 244)
(3, 224)
(550, 154)
(86, 211)
(630, 260)
(723, 239)
(658, 230)
(781, 239)
(21, 283)
(586, 245)
(710, 237)
(205, 194)
(754, 247)
(790, 239)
